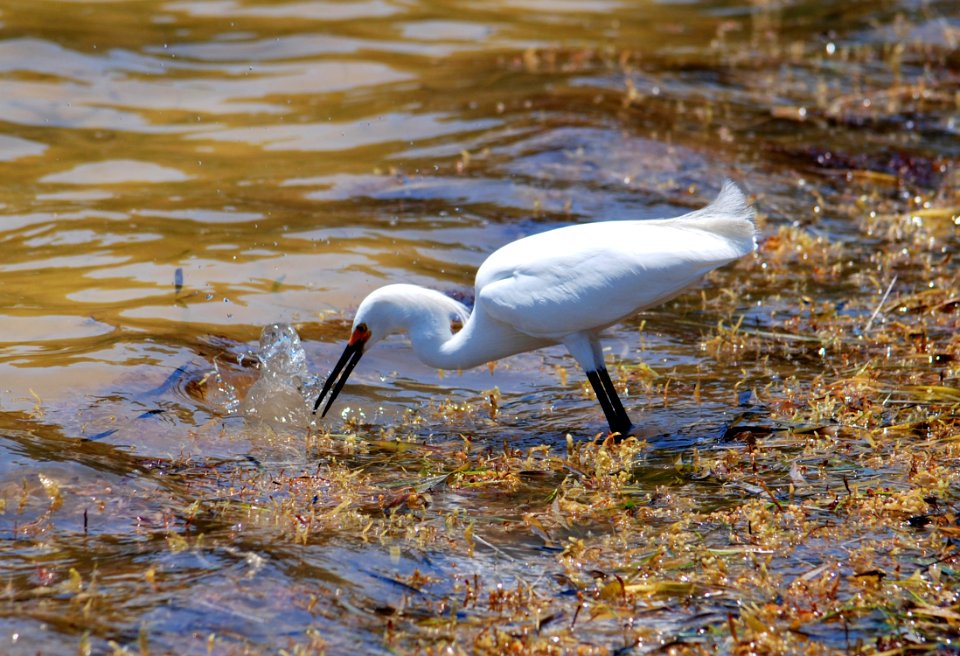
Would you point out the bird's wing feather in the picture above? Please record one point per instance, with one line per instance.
(589, 276)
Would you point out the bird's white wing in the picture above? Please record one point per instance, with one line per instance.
(590, 276)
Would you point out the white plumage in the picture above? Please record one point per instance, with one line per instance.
(561, 286)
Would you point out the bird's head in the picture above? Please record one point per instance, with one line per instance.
(388, 310)
(383, 312)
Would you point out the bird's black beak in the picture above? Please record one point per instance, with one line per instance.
(351, 356)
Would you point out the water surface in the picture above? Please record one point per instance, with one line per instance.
(178, 174)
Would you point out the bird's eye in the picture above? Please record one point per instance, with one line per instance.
(362, 328)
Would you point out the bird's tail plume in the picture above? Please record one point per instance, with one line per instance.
(729, 216)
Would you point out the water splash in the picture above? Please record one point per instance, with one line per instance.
(224, 393)
(281, 394)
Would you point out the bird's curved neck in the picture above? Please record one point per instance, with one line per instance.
(437, 345)
(430, 337)
(480, 340)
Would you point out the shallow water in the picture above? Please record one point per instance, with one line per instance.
(179, 174)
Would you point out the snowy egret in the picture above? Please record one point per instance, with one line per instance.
(563, 286)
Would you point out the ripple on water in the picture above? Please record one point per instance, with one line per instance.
(319, 11)
(383, 129)
(12, 148)
(120, 171)
(23, 330)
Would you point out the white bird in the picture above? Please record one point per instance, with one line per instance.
(563, 286)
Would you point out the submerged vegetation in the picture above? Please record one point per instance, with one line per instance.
(797, 490)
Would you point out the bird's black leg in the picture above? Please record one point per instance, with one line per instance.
(606, 393)
(601, 392)
(623, 424)
(612, 408)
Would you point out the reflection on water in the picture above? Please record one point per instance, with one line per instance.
(178, 175)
